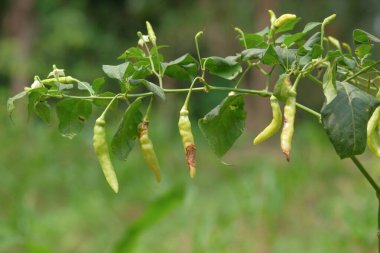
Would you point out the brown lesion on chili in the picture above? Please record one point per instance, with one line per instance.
(191, 158)
(287, 155)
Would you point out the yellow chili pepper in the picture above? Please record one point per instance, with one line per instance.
(148, 150)
(274, 125)
(102, 153)
(373, 132)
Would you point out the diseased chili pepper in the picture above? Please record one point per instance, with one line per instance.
(274, 125)
(102, 153)
(288, 127)
(373, 132)
(151, 34)
(184, 126)
(148, 150)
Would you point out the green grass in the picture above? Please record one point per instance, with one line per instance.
(53, 197)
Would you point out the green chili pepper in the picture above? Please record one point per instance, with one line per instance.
(329, 19)
(102, 153)
(274, 125)
(373, 132)
(148, 150)
(288, 127)
(184, 126)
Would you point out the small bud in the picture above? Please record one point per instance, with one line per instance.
(272, 16)
(56, 72)
(151, 35)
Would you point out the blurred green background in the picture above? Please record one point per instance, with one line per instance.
(53, 197)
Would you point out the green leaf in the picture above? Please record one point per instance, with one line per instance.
(363, 37)
(286, 55)
(314, 53)
(152, 215)
(291, 38)
(270, 56)
(329, 82)
(184, 68)
(363, 50)
(222, 67)
(85, 86)
(72, 114)
(253, 53)
(97, 84)
(264, 32)
(224, 124)
(314, 39)
(133, 53)
(116, 71)
(288, 25)
(155, 89)
(10, 102)
(34, 97)
(253, 40)
(310, 26)
(345, 119)
(140, 71)
(124, 139)
(42, 110)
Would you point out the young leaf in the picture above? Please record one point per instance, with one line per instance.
(124, 139)
(10, 102)
(329, 82)
(345, 119)
(72, 115)
(97, 84)
(184, 68)
(222, 67)
(155, 89)
(116, 71)
(224, 124)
